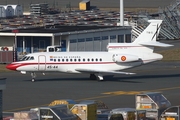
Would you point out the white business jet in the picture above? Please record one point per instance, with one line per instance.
(119, 56)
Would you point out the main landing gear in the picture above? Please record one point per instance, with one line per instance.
(98, 77)
(33, 75)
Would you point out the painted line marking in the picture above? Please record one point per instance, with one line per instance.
(123, 93)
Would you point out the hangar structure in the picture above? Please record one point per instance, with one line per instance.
(70, 38)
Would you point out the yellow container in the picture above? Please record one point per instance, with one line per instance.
(68, 102)
(84, 5)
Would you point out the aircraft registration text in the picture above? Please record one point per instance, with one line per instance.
(52, 66)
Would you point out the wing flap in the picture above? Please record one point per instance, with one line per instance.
(102, 71)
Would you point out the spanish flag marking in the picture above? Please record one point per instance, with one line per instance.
(123, 58)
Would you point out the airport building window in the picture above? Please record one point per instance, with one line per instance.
(113, 37)
(104, 37)
(120, 38)
(97, 38)
(89, 39)
(73, 41)
(128, 38)
(81, 40)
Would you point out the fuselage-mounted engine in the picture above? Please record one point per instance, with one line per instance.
(124, 58)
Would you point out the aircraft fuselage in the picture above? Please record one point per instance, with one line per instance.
(70, 61)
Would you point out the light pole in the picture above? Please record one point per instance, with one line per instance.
(15, 44)
(121, 13)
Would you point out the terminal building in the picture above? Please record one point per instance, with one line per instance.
(70, 38)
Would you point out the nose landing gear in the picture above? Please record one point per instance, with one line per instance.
(33, 75)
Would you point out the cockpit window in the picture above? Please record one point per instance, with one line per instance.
(25, 58)
(32, 58)
(22, 59)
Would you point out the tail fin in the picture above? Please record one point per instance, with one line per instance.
(149, 36)
(150, 33)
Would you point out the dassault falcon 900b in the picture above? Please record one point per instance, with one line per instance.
(119, 56)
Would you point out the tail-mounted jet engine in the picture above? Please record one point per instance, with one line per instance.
(124, 58)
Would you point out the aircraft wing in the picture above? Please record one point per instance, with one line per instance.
(157, 44)
(102, 71)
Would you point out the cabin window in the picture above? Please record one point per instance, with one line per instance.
(92, 59)
(54, 60)
(79, 60)
(66, 60)
(63, 60)
(71, 60)
(96, 59)
(75, 60)
(84, 60)
(59, 60)
(88, 59)
(100, 59)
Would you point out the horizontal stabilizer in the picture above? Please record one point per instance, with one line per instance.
(102, 71)
(156, 44)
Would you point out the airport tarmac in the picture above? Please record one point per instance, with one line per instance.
(118, 92)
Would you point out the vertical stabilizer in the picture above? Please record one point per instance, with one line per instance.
(150, 33)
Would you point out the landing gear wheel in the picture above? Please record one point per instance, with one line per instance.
(100, 77)
(33, 75)
(93, 77)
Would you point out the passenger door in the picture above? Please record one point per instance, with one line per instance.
(41, 62)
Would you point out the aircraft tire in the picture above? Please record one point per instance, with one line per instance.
(33, 80)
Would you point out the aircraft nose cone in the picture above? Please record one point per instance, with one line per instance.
(11, 67)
